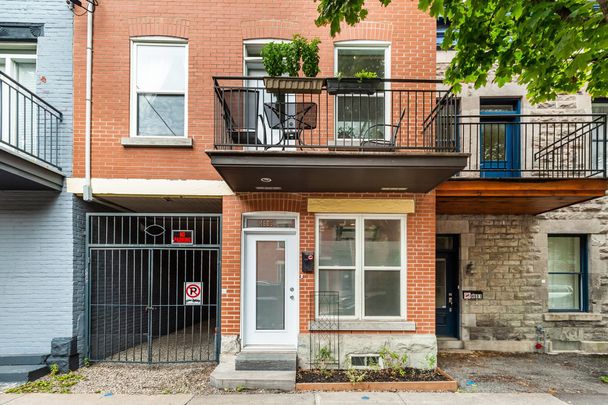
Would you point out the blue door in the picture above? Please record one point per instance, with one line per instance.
(499, 138)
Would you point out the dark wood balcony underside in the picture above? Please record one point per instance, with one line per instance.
(335, 171)
(515, 196)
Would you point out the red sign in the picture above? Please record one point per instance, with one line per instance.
(182, 238)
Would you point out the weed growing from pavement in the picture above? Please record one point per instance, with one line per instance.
(604, 379)
(56, 383)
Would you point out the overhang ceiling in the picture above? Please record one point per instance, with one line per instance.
(255, 171)
(21, 172)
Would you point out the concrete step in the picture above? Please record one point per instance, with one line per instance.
(449, 344)
(271, 361)
(23, 359)
(22, 373)
(225, 376)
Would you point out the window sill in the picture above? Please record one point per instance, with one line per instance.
(572, 316)
(144, 142)
(404, 326)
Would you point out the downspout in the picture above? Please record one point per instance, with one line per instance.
(87, 192)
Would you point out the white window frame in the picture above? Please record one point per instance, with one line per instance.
(10, 59)
(360, 268)
(155, 41)
(365, 45)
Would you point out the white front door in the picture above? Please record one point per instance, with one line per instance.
(270, 306)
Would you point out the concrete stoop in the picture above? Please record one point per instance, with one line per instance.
(22, 368)
(226, 376)
(446, 344)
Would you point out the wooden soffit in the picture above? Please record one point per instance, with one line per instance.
(515, 197)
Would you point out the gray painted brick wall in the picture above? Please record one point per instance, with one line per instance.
(37, 256)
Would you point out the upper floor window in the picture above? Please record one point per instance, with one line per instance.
(19, 62)
(357, 120)
(567, 272)
(159, 82)
(442, 27)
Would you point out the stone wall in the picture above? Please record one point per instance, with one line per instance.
(507, 257)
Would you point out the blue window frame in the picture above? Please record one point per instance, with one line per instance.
(567, 273)
(499, 137)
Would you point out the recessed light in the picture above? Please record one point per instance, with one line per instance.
(268, 188)
(265, 179)
(393, 188)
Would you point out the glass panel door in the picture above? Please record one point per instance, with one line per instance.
(270, 285)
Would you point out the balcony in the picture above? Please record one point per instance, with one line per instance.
(29, 140)
(524, 164)
(383, 137)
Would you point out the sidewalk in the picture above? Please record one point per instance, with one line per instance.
(325, 398)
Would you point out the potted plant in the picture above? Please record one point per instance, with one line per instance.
(281, 58)
(364, 82)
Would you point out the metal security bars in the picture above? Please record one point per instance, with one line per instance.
(28, 123)
(397, 115)
(153, 287)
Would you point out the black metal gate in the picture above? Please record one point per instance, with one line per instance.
(153, 287)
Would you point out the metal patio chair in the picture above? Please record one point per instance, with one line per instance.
(382, 144)
(240, 116)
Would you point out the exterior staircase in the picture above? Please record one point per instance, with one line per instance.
(18, 369)
(257, 370)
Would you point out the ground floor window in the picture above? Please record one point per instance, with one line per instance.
(567, 272)
(362, 257)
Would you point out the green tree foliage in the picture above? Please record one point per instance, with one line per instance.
(551, 46)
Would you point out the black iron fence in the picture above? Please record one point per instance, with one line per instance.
(541, 146)
(394, 114)
(153, 287)
(28, 123)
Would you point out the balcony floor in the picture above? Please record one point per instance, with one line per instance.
(250, 171)
(515, 196)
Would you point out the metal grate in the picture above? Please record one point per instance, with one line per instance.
(139, 267)
(325, 330)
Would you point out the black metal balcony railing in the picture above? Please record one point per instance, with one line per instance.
(28, 124)
(409, 115)
(531, 146)
(393, 118)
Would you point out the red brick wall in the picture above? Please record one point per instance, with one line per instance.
(420, 253)
(215, 33)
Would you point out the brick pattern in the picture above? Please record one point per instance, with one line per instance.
(215, 34)
(37, 256)
(420, 253)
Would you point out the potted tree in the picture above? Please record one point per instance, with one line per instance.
(281, 58)
(364, 82)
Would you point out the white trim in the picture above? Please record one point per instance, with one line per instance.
(151, 187)
(156, 41)
(360, 268)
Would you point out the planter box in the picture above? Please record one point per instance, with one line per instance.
(353, 86)
(420, 386)
(293, 85)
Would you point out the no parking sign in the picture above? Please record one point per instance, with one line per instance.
(193, 293)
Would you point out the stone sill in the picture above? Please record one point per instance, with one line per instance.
(572, 316)
(403, 326)
(166, 142)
